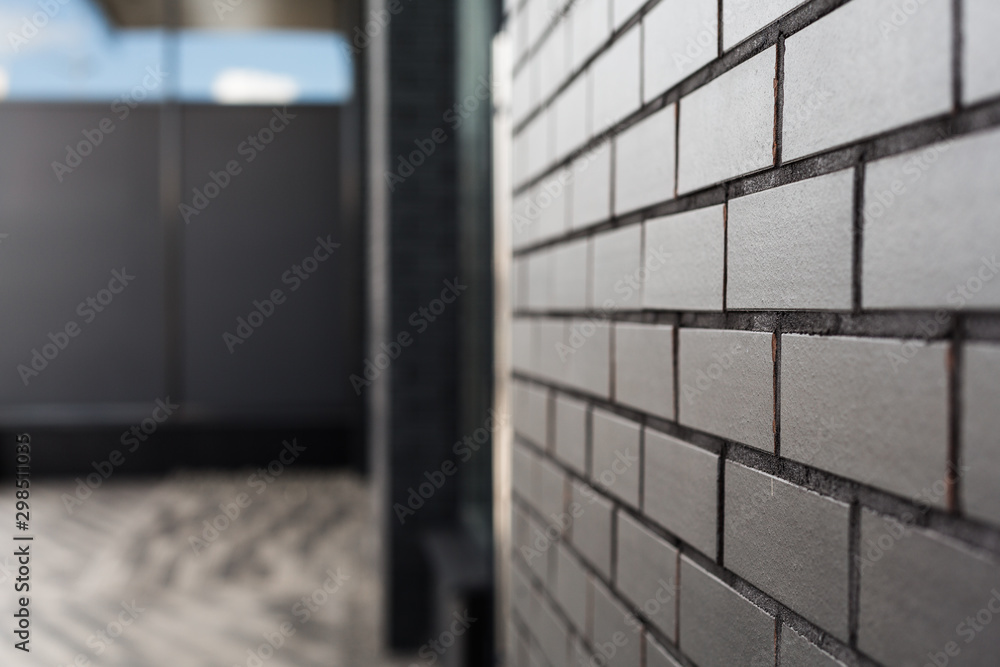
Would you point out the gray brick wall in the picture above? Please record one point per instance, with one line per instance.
(755, 332)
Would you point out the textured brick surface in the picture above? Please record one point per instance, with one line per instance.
(571, 432)
(591, 533)
(531, 412)
(644, 368)
(718, 139)
(790, 247)
(571, 129)
(685, 254)
(680, 37)
(572, 588)
(615, 452)
(592, 187)
(742, 18)
(790, 543)
(980, 428)
(877, 416)
(719, 628)
(981, 60)
(727, 384)
(789, 201)
(931, 238)
(646, 573)
(657, 656)
(680, 489)
(644, 162)
(590, 26)
(895, 74)
(796, 650)
(616, 81)
(921, 591)
(614, 625)
(616, 258)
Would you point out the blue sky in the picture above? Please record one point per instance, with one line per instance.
(75, 55)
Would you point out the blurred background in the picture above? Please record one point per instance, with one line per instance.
(215, 281)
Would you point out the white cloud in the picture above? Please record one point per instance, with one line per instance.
(248, 86)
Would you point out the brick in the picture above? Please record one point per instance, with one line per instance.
(646, 573)
(531, 412)
(789, 542)
(524, 220)
(616, 258)
(791, 247)
(553, 60)
(876, 416)
(930, 230)
(570, 271)
(591, 532)
(680, 36)
(571, 432)
(545, 359)
(657, 656)
(538, 146)
(980, 450)
(680, 488)
(522, 334)
(525, 93)
(919, 593)
(551, 481)
(616, 81)
(727, 384)
(690, 276)
(894, 75)
(589, 367)
(742, 18)
(520, 593)
(540, 16)
(592, 187)
(552, 637)
(519, 284)
(539, 269)
(981, 57)
(644, 162)
(571, 128)
(616, 631)
(719, 139)
(520, 33)
(524, 473)
(797, 650)
(571, 588)
(718, 627)
(551, 196)
(623, 10)
(644, 368)
(590, 27)
(615, 452)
